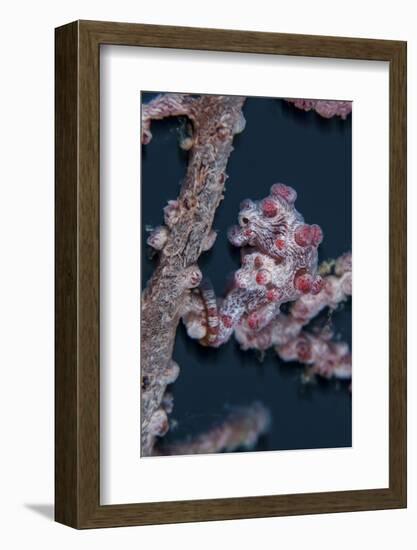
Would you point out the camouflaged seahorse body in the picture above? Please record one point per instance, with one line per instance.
(279, 264)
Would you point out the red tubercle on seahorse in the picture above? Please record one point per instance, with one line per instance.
(284, 191)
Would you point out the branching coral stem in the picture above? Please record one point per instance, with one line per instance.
(215, 120)
(327, 108)
(239, 430)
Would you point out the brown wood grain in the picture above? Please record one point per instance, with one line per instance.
(66, 237)
(77, 404)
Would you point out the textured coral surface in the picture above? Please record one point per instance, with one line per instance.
(188, 220)
(279, 265)
(325, 108)
(279, 289)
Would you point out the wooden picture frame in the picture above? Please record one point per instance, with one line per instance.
(77, 405)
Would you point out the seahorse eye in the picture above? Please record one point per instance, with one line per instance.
(245, 221)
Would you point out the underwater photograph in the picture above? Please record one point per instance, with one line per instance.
(246, 273)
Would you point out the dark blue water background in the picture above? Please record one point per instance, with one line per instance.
(313, 155)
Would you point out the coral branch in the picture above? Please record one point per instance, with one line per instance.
(325, 108)
(325, 357)
(162, 106)
(285, 333)
(240, 430)
(336, 288)
(279, 265)
(186, 233)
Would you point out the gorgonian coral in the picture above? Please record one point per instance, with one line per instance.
(325, 108)
(240, 429)
(186, 234)
(279, 265)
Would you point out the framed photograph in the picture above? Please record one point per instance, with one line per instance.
(230, 274)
